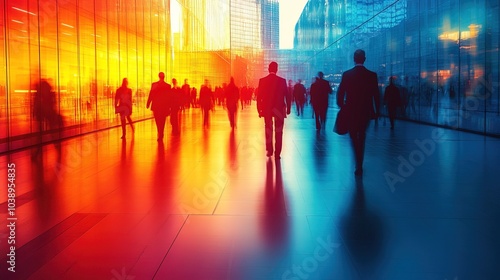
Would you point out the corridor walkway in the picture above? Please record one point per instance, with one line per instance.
(208, 204)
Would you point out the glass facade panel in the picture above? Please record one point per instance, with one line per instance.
(70, 56)
(443, 54)
(4, 129)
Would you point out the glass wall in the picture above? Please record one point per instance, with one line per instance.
(64, 59)
(444, 55)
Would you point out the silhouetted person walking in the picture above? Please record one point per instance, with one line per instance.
(358, 92)
(186, 91)
(123, 106)
(46, 114)
(175, 106)
(159, 99)
(320, 90)
(45, 106)
(232, 95)
(273, 102)
(392, 99)
(299, 94)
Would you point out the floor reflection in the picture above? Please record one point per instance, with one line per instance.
(274, 220)
(208, 204)
(363, 231)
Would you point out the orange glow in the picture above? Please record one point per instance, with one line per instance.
(455, 36)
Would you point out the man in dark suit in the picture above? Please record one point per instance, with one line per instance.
(358, 92)
(299, 94)
(159, 99)
(392, 99)
(273, 102)
(175, 106)
(320, 90)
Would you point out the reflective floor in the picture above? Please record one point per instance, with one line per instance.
(208, 204)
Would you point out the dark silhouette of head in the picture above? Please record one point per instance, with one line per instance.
(320, 75)
(161, 75)
(124, 82)
(273, 67)
(359, 56)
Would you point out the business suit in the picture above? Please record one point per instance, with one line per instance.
(273, 102)
(358, 93)
(206, 102)
(175, 106)
(392, 99)
(160, 101)
(320, 90)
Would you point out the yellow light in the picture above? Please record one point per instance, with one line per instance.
(24, 11)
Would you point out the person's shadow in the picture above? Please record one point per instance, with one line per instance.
(363, 231)
(232, 154)
(274, 221)
(47, 193)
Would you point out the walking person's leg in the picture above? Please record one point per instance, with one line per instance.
(279, 123)
(268, 121)
(130, 123)
(123, 122)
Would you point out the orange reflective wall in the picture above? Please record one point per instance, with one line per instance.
(84, 49)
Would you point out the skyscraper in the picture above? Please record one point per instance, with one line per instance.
(270, 25)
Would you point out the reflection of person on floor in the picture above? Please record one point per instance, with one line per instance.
(232, 94)
(392, 99)
(159, 100)
(273, 103)
(123, 106)
(358, 92)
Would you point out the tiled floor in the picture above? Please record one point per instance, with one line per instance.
(208, 204)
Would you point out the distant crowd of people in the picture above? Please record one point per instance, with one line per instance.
(168, 100)
(358, 94)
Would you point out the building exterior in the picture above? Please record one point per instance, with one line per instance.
(270, 19)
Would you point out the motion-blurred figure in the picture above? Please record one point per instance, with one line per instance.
(206, 102)
(358, 92)
(45, 106)
(299, 94)
(46, 114)
(232, 95)
(123, 106)
(273, 103)
(392, 99)
(175, 106)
